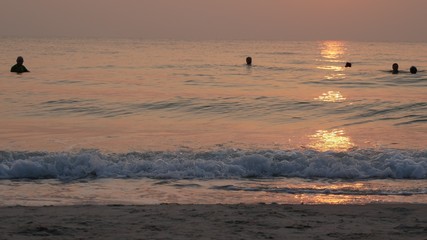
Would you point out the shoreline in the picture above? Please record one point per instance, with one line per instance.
(216, 221)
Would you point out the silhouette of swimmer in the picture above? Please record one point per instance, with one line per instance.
(395, 68)
(413, 70)
(19, 67)
(249, 61)
(348, 64)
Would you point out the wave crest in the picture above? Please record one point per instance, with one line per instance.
(219, 164)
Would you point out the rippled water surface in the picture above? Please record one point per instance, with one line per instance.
(121, 95)
(138, 109)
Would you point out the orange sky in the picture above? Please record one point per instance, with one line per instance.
(366, 20)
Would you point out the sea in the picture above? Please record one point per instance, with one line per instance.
(102, 121)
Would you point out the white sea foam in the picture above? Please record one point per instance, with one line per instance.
(221, 164)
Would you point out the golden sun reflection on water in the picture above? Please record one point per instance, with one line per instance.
(335, 76)
(332, 68)
(332, 53)
(336, 198)
(332, 50)
(331, 96)
(334, 140)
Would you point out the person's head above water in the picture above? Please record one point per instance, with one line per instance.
(395, 68)
(413, 70)
(348, 64)
(20, 60)
(248, 61)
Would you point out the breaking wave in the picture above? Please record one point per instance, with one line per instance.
(218, 164)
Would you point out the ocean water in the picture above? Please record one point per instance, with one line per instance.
(127, 121)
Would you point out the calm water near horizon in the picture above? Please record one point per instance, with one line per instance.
(105, 121)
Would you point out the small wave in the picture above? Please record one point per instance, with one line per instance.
(220, 164)
(345, 84)
(423, 120)
(325, 190)
(278, 53)
(400, 113)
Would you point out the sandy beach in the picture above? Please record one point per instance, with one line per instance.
(173, 221)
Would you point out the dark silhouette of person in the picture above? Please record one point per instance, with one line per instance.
(395, 68)
(249, 61)
(413, 70)
(19, 66)
(348, 64)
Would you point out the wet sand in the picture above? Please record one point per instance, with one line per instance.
(173, 221)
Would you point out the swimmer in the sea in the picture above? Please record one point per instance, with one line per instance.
(395, 68)
(249, 61)
(19, 66)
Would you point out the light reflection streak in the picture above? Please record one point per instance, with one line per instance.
(332, 52)
(334, 140)
(335, 76)
(331, 96)
(332, 198)
(333, 68)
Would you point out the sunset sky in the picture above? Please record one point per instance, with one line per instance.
(365, 20)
